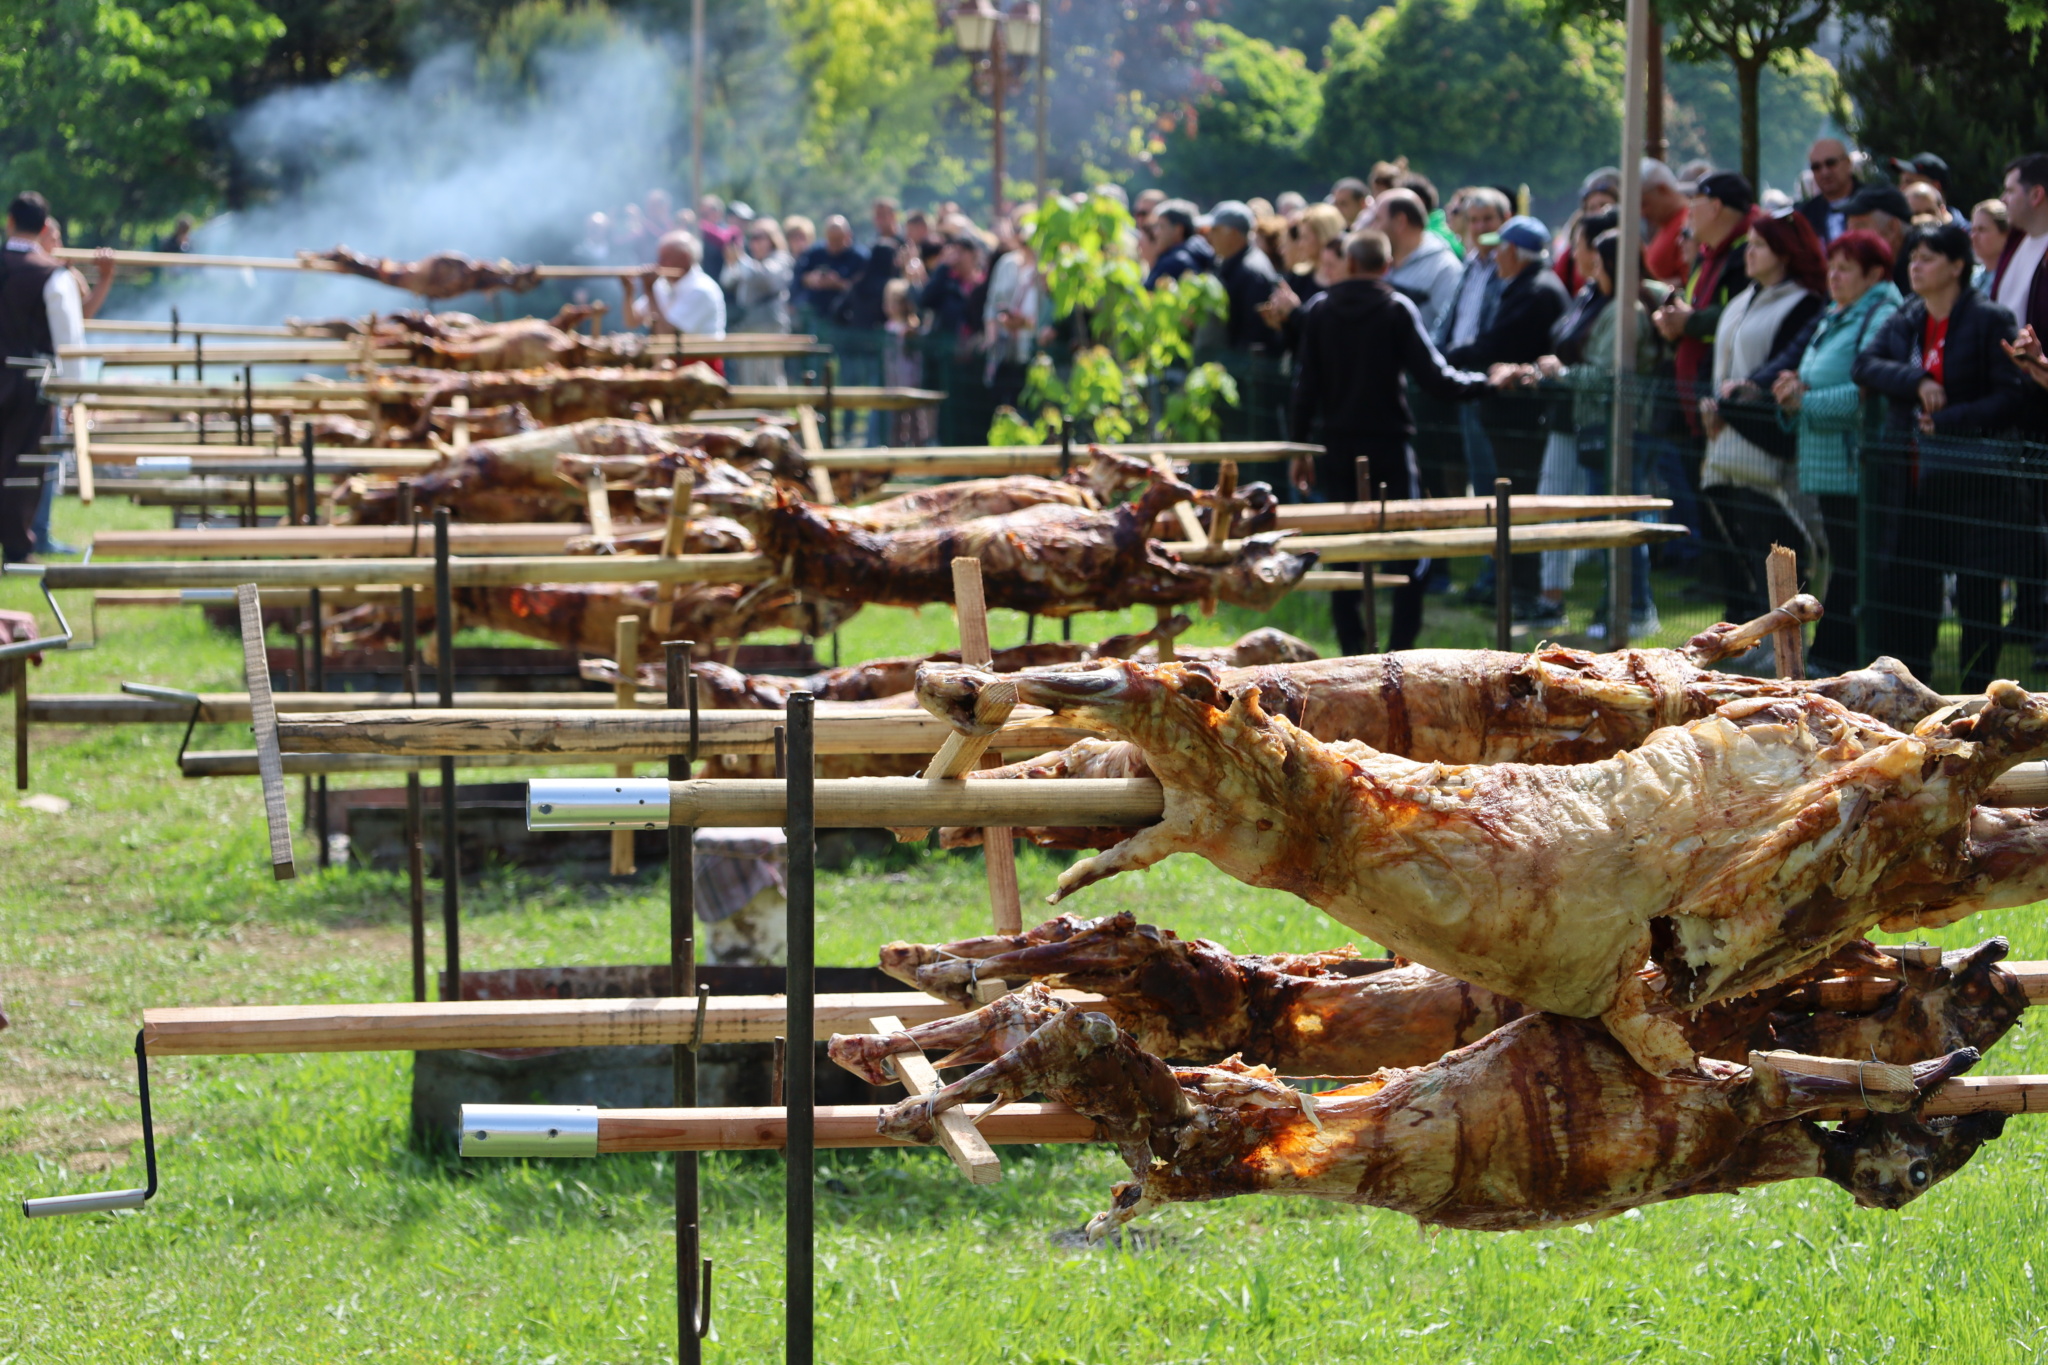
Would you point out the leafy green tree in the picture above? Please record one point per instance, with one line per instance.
(1128, 375)
(114, 110)
(1303, 25)
(1794, 106)
(1249, 127)
(1471, 91)
(1951, 76)
(1752, 36)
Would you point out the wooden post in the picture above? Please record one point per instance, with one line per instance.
(998, 851)
(1781, 581)
(626, 693)
(81, 446)
(263, 719)
(1372, 597)
(807, 436)
(1220, 516)
(673, 542)
(600, 503)
(458, 433)
(956, 1131)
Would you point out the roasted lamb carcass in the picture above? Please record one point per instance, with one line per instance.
(1544, 1121)
(555, 397)
(1049, 558)
(443, 275)
(1731, 852)
(1336, 1013)
(542, 475)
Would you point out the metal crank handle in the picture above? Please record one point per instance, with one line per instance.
(56, 1205)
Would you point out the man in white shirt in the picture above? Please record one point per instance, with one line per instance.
(693, 304)
(39, 311)
(2026, 210)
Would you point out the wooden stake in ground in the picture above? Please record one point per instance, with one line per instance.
(1190, 524)
(81, 446)
(626, 691)
(808, 437)
(263, 718)
(600, 502)
(1781, 579)
(957, 759)
(956, 1132)
(673, 541)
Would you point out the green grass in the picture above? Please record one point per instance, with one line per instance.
(295, 1223)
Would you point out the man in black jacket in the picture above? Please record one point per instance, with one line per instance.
(1358, 338)
(1532, 299)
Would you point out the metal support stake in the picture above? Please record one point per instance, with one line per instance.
(831, 374)
(451, 865)
(111, 1199)
(415, 804)
(1372, 599)
(1503, 573)
(802, 1003)
(315, 643)
(693, 1270)
(1635, 116)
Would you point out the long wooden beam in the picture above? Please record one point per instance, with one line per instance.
(1464, 542)
(145, 327)
(120, 708)
(305, 352)
(465, 571)
(988, 460)
(636, 734)
(1324, 518)
(349, 542)
(854, 1125)
(114, 394)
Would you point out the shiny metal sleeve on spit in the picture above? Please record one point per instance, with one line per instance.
(567, 803)
(529, 1130)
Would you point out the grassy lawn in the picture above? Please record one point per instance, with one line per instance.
(295, 1223)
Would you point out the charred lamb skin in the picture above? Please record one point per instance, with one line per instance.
(444, 275)
(1049, 559)
(1335, 1013)
(1733, 852)
(1544, 1121)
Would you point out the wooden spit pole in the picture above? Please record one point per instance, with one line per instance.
(253, 1030)
(1781, 574)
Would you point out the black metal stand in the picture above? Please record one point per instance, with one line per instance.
(316, 628)
(1503, 568)
(415, 802)
(693, 1269)
(798, 1191)
(451, 863)
(111, 1199)
(1372, 598)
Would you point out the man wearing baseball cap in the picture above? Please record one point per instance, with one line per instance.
(1723, 207)
(1883, 209)
(1177, 250)
(1250, 348)
(1532, 299)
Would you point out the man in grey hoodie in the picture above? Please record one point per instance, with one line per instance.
(1425, 269)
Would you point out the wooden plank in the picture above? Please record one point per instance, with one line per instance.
(263, 718)
(625, 692)
(920, 803)
(1325, 518)
(599, 501)
(507, 571)
(145, 327)
(237, 1030)
(955, 1131)
(675, 539)
(1781, 572)
(999, 852)
(641, 735)
(1457, 542)
(923, 461)
(1989, 1095)
(834, 1125)
(342, 542)
(81, 447)
(1875, 1077)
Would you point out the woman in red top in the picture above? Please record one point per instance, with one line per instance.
(1947, 495)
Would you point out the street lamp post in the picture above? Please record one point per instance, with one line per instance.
(980, 28)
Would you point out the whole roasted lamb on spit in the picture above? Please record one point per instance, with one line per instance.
(443, 275)
(1730, 852)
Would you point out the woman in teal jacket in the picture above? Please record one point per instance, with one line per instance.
(1822, 404)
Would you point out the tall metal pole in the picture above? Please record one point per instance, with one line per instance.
(451, 860)
(696, 103)
(800, 1003)
(1038, 141)
(999, 70)
(692, 1307)
(1627, 288)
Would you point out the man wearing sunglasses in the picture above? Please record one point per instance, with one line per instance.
(1834, 176)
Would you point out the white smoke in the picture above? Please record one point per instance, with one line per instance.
(439, 160)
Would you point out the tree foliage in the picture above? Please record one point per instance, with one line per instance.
(1752, 36)
(1794, 106)
(114, 110)
(1250, 125)
(1128, 376)
(1471, 91)
(1951, 76)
